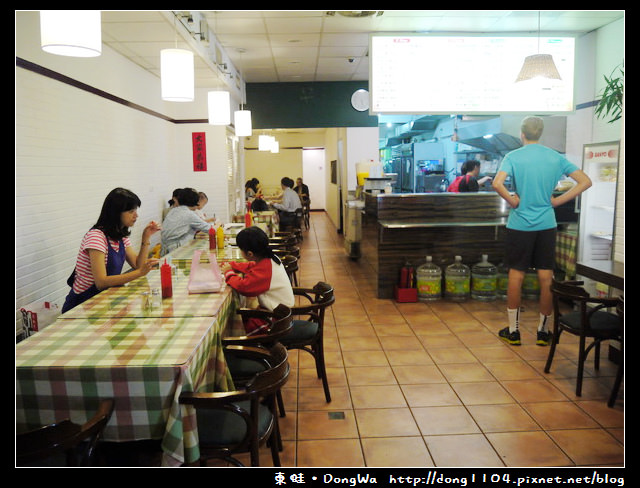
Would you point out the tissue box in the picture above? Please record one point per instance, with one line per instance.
(405, 295)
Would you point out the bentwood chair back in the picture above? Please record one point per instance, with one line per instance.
(230, 423)
(63, 443)
(590, 321)
(308, 328)
(291, 266)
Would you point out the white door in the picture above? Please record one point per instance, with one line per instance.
(313, 175)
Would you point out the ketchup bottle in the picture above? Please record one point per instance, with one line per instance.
(247, 216)
(212, 238)
(165, 280)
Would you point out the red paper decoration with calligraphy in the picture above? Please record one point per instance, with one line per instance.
(199, 151)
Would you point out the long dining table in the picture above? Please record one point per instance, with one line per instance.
(131, 345)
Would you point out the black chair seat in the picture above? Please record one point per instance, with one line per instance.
(219, 428)
(302, 332)
(600, 322)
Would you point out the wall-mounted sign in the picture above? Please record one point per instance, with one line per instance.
(199, 143)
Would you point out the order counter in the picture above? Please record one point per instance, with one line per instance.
(405, 228)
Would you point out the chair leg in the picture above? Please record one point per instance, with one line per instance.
(618, 380)
(322, 372)
(582, 356)
(280, 404)
(555, 338)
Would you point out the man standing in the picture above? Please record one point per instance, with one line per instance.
(531, 228)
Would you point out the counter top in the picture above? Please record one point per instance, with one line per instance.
(399, 224)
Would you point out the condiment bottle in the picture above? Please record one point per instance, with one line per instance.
(247, 216)
(220, 234)
(212, 238)
(165, 280)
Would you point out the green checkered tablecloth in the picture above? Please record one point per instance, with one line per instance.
(114, 348)
(566, 244)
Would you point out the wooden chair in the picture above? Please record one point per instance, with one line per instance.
(588, 322)
(308, 331)
(242, 420)
(63, 443)
(306, 209)
(242, 367)
(291, 266)
(620, 373)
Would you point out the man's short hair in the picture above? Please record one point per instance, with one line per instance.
(532, 128)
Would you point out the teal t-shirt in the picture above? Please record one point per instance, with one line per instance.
(535, 171)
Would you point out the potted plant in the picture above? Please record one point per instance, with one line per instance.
(611, 102)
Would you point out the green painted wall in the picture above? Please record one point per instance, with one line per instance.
(306, 105)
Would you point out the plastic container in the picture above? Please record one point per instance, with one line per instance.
(502, 282)
(220, 237)
(212, 238)
(429, 281)
(531, 285)
(457, 277)
(165, 280)
(484, 280)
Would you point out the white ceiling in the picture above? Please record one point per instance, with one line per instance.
(305, 46)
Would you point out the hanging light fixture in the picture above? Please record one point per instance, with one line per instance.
(538, 65)
(71, 32)
(275, 146)
(242, 121)
(176, 75)
(219, 105)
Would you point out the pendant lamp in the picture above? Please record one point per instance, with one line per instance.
(177, 75)
(275, 146)
(242, 121)
(75, 33)
(219, 105)
(538, 65)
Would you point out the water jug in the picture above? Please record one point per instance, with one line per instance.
(531, 285)
(502, 282)
(429, 281)
(484, 277)
(457, 281)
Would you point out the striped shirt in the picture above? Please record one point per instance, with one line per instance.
(94, 239)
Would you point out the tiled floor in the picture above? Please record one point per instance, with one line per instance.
(432, 385)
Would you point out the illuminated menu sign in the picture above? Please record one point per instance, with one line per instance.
(417, 74)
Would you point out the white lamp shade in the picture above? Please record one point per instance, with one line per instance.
(275, 146)
(71, 32)
(219, 104)
(242, 120)
(177, 75)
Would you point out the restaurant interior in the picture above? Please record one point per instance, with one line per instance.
(396, 380)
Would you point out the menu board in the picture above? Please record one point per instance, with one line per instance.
(430, 74)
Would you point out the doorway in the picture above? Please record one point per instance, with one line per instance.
(313, 175)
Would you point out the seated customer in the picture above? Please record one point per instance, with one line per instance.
(182, 223)
(262, 276)
(290, 203)
(105, 248)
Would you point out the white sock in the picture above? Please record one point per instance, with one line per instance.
(543, 325)
(514, 318)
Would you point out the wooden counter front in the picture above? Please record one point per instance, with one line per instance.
(405, 228)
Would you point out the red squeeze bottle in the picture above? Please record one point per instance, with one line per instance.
(212, 238)
(247, 216)
(165, 280)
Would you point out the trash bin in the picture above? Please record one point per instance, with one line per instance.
(353, 227)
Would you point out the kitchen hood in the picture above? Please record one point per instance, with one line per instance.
(501, 134)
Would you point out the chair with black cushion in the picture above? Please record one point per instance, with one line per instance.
(63, 443)
(620, 373)
(243, 367)
(240, 421)
(588, 321)
(306, 209)
(308, 329)
(291, 266)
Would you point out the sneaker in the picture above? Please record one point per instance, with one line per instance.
(544, 338)
(512, 338)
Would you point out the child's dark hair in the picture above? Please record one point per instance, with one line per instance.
(254, 239)
(117, 201)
